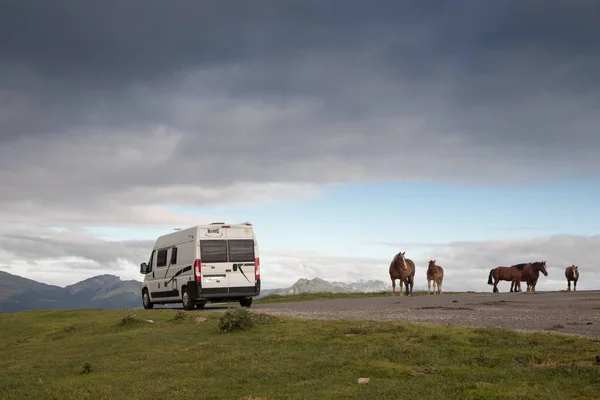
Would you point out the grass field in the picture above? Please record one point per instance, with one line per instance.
(275, 298)
(94, 354)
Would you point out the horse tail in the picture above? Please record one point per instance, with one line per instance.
(490, 282)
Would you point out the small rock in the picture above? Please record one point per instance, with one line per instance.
(363, 381)
(199, 320)
(149, 320)
(598, 360)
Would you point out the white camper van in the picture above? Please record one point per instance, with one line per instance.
(205, 263)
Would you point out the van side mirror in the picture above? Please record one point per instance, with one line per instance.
(143, 268)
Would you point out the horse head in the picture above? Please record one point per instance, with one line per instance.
(541, 266)
(431, 264)
(402, 260)
(575, 269)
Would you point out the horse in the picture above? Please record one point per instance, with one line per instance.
(572, 274)
(501, 273)
(531, 273)
(404, 269)
(435, 273)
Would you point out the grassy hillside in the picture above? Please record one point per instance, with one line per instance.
(92, 354)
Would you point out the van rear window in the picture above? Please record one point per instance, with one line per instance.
(213, 250)
(241, 250)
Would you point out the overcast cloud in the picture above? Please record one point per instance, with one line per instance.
(111, 111)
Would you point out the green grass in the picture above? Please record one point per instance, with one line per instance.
(275, 298)
(94, 354)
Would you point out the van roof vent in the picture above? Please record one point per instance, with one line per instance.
(216, 223)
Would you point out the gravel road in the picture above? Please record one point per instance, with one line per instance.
(558, 312)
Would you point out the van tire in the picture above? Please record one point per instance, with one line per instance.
(146, 300)
(246, 302)
(188, 304)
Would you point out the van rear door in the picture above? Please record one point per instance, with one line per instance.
(213, 253)
(241, 248)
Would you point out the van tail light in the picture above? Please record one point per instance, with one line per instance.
(257, 268)
(197, 270)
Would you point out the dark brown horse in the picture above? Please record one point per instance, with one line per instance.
(435, 273)
(531, 273)
(404, 269)
(512, 274)
(572, 274)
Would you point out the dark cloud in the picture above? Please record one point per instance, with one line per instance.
(73, 249)
(112, 110)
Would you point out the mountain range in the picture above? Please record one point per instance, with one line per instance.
(110, 292)
(102, 291)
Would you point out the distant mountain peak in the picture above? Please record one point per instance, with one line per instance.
(94, 283)
(316, 285)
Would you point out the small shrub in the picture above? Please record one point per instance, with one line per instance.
(86, 368)
(129, 319)
(179, 316)
(238, 319)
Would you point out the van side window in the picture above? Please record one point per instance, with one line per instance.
(161, 258)
(241, 250)
(174, 255)
(213, 251)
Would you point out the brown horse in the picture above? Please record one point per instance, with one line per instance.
(531, 273)
(572, 274)
(404, 269)
(512, 274)
(435, 273)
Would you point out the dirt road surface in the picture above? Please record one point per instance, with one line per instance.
(557, 312)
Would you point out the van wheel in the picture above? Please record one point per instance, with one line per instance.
(247, 302)
(188, 304)
(146, 300)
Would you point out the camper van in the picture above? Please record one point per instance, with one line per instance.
(205, 263)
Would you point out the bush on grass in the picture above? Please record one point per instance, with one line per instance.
(238, 319)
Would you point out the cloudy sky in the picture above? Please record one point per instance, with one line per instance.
(346, 131)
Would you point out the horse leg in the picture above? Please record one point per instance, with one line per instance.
(575, 285)
(393, 287)
(400, 284)
(496, 280)
(429, 287)
(440, 286)
(568, 285)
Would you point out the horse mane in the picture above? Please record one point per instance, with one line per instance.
(520, 267)
(394, 262)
